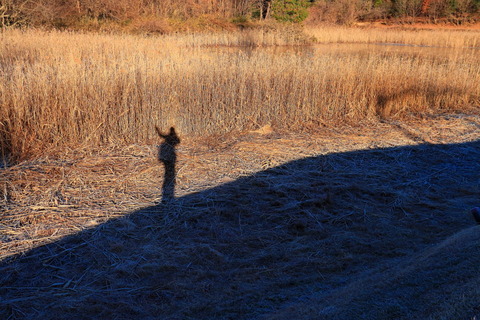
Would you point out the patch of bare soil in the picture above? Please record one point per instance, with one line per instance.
(325, 225)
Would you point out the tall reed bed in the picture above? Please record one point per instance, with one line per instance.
(278, 34)
(416, 37)
(64, 90)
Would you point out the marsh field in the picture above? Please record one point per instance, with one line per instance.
(65, 90)
(322, 173)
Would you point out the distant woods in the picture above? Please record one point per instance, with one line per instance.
(163, 15)
(348, 11)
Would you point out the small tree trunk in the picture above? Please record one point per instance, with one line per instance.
(266, 5)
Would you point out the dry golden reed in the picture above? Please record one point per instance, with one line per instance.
(441, 38)
(65, 90)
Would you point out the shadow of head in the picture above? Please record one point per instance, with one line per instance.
(171, 138)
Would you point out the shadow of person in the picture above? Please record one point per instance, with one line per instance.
(270, 245)
(168, 156)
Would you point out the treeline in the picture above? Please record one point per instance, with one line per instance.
(160, 14)
(349, 11)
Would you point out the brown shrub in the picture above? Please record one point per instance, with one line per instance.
(151, 25)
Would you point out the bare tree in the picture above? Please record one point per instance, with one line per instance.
(242, 7)
(11, 13)
(425, 6)
(266, 6)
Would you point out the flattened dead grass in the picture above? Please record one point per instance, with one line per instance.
(260, 221)
(45, 199)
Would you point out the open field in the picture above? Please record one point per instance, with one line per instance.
(369, 221)
(65, 90)
(320, 175)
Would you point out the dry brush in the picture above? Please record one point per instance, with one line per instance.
(64, 90)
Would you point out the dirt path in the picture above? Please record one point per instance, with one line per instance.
(261, 221)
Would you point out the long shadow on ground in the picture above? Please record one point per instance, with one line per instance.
(246, 249)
